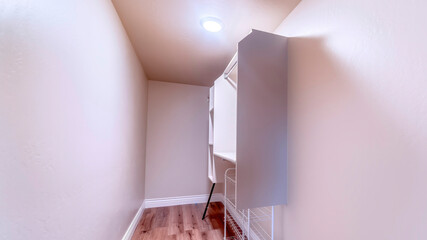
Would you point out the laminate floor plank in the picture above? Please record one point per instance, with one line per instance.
(182, 222)
(187, 217)
(173, 220)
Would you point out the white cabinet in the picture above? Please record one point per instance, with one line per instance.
(250, 120)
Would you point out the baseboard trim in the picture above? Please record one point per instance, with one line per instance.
(131, 229)
(182, 200)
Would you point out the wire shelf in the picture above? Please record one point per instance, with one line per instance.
(247, 224)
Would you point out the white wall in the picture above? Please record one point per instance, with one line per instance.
(358, 114)
(72, 121)
(177, 140)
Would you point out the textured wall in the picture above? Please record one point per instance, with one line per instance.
(72, 121)
(177, 140)
(358, 113)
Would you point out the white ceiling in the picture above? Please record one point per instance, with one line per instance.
(173, 46)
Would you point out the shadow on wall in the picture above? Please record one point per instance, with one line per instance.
(350, 163)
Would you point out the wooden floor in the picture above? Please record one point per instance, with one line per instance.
(182, 223)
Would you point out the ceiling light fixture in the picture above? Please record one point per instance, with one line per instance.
(211, 24)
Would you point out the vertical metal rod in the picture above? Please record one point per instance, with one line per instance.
(209, 200)
(235, 189)
(272, 222)
(225, 207)
(249, 224)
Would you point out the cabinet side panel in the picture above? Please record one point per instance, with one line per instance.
(261, 121)
(224, 125)
(224, 130)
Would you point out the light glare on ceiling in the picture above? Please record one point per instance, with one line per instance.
(211, 24)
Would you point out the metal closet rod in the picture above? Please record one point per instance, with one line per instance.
(230, 67)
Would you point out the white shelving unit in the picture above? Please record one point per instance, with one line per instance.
(250, 118)
(256, 224)
(249, 135)
(219, 159)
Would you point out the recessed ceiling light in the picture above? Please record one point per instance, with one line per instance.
(211, 24)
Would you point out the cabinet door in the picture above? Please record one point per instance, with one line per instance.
(261, 150)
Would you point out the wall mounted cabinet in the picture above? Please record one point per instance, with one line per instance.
(249, 121)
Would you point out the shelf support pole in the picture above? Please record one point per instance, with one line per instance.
(209, 200)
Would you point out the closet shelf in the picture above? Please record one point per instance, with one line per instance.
(254, 223)
(229, 156)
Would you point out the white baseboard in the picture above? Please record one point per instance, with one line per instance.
(182, 200)
(131, 229)
(217, 197)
